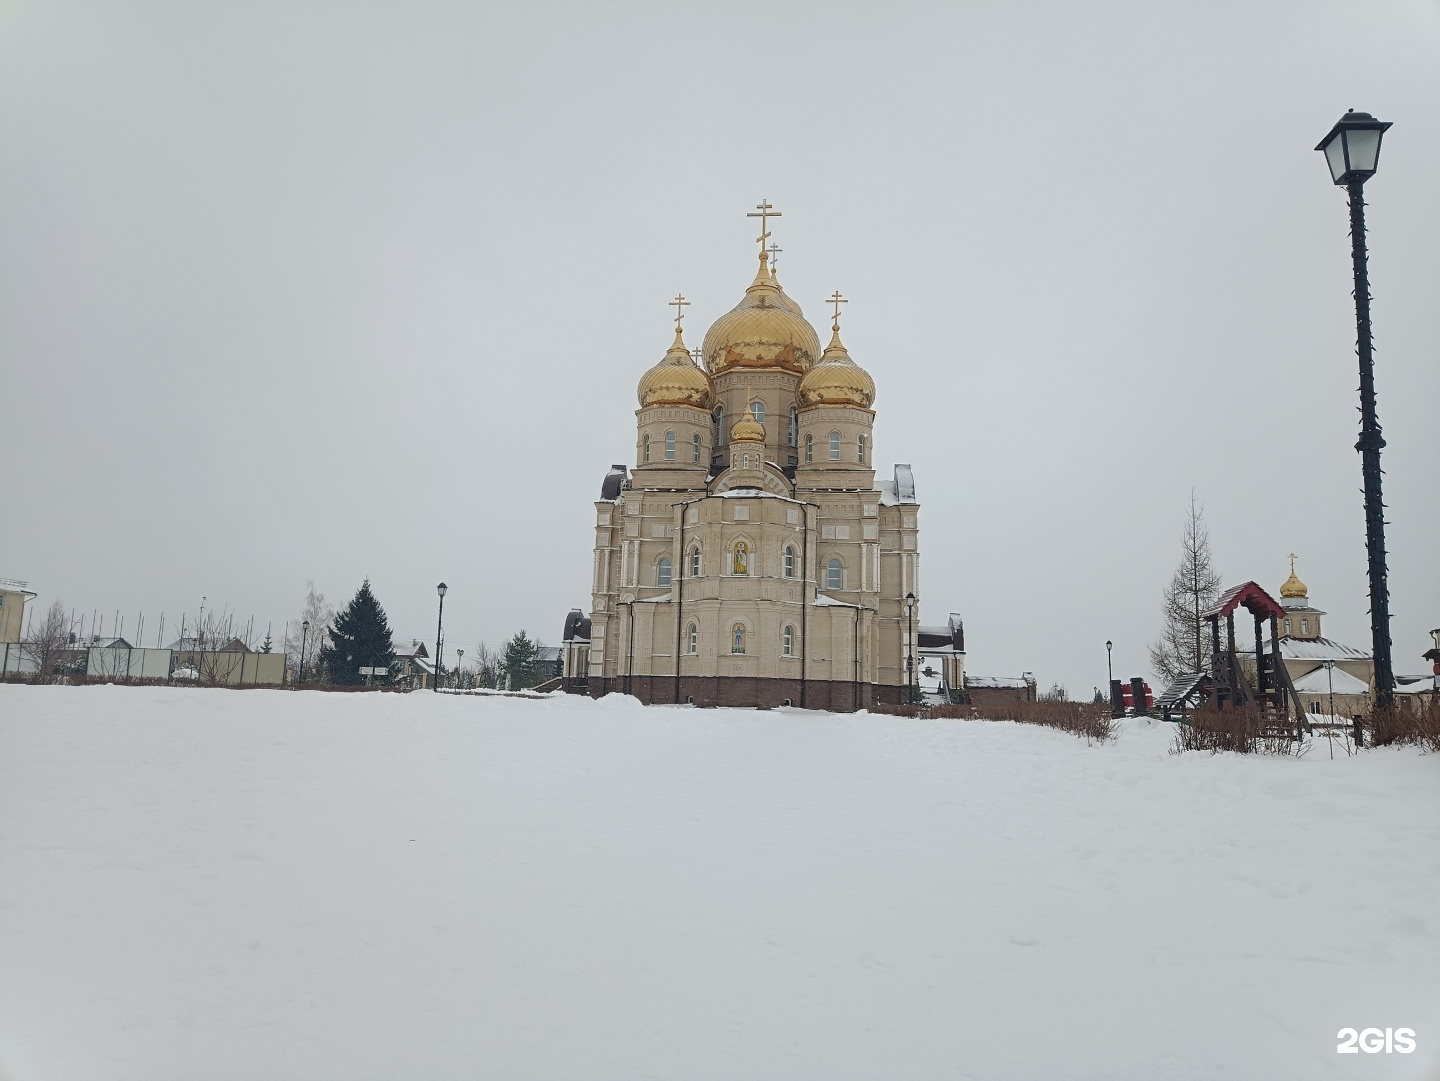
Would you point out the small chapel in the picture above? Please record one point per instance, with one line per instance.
(750, 557)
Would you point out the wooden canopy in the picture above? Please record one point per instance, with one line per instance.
(1248, 595)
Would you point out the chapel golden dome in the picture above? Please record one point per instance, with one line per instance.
(747, 429)
(765, 330)
(837, 380)
(1293, 587)
(675, 380)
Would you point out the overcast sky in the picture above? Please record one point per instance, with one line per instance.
(335, 291)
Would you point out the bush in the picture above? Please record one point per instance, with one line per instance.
(1404, 726)
(1088, 720)
(1242, 730)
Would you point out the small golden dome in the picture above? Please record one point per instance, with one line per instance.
(1293, 587)
(747, 429)
(837, 380)
(675, 380)
(765, 330)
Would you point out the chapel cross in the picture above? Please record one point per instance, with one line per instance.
(1292, 562)
(775, 250)
(836, 299)
(767, 211)
(679, 304)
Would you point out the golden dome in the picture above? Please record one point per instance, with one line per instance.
(765, 330)
(675, 380)
(1293, 587)
(747, 429)
(837, 380)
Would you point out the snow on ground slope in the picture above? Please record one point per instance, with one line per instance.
(210, 884)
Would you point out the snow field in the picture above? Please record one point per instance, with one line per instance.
(211, 884)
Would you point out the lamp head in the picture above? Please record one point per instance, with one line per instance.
(1109, 645)
(441, 588)
(305, 624)
(909, 600)
(1352, 149)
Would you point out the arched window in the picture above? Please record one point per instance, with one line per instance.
(737, 638)
(757, 410)
(794, 429)
(670, 446)
(647, 447)
(861, 456)
(787, 641)
(662, 573)
(809, 448)
(741, 563)
(832, 574)
(834, 446)
(789, 562)
(694, 639)
(719, 425)
(1287, 626)
(695, 448)
(695, 562)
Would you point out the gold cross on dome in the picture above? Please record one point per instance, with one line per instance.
(696, 355)
(775, 250)
(766, 212)
(836, 300)
(1292, 562)
(679, 304)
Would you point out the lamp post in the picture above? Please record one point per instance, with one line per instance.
(1352, 150)
(459, 664)
(439, 623)
(304, 635)
(1109, 668)
(910, 645)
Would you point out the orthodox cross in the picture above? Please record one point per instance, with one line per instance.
(766, 212)
(695, 355)
(1292, 563)
(836, 299)
(775, 250)
(679, 304)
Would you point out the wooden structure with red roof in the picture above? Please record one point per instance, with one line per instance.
(1273, 690)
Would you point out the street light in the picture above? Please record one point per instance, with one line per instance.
(1352, 151)
(439, 622)
(304, 634)
(459, 664)
(910, 645)
(1109, 668)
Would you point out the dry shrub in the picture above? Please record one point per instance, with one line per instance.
(1088, 720)
(1413, 724)
(1242, 731)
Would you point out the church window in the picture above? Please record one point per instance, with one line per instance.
(719, 425)
(861, 457)
(832, 574)
(787, 641)
(1304, 626)
(662, 573)
(695, 448)
(809, 448)
(794, 429)
(741, 563)
(834, 446)
(757, 410)
(670, 446)
(737, 638)
(695, 562)
(1287, 627)
(694, 639)
(647, 447)
(789, 562)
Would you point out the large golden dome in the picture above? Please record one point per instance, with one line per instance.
(837, 380)
(765, 330)
(675, 380)
(1293, 587)
(747, 430)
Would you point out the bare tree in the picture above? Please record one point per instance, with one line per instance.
(322, 617)
(47, 646)
(1193, 588)
(485, 666)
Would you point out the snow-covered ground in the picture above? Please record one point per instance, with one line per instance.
(209, 884)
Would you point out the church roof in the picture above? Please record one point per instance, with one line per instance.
(1318, 649)
(899, 490)
(765, 330)
(1318, 682)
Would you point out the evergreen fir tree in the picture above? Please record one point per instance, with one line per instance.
(519, 665)
(1184, 646)
(359, 639)
(267, 646)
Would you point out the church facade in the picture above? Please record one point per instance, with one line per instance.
(749, 557)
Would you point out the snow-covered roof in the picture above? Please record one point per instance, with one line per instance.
(414, 649)
(901, 489)
(1318, 682)
(664, 598)
(1002, 683)
(823, 601)
(1416, 684)
(1319, 649)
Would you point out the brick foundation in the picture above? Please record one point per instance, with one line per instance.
(746, 692)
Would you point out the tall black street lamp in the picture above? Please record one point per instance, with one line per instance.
(459, 668)
(1109, 668)
(304, 635)
(439, 623)
(1352, 150)
(910, 645)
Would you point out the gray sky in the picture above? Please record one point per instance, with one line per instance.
(331, 291)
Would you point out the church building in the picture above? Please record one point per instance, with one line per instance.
(750, 557)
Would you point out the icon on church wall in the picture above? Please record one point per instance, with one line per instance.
(737, 642)
(742, 558)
